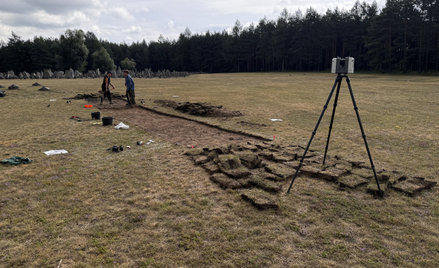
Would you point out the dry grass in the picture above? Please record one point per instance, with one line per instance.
(151, 207)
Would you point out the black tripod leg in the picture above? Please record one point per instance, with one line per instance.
(337, 80)
(364, 135)
(332, 119)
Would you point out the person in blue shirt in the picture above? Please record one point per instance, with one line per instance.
(129, 83)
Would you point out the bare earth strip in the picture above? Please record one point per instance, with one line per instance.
(177, 130)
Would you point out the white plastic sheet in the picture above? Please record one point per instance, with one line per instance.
(121, 126)
(52, 152)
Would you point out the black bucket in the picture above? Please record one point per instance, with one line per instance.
(96, 115)
(107, 121)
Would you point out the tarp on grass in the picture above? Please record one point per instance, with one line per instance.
(16, 160)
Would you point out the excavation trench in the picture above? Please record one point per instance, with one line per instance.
(178, 130)
(256, 168)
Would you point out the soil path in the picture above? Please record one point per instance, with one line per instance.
(177, 130)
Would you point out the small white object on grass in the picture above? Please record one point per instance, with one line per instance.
(52, 152)
(121, 126)
(276, 120)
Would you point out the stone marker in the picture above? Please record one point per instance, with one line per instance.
(10, 75)
(44, 89)
(47, 74)
(59, 74)
(78, 74)
(13, 86)
(70, 74)
(119, 72)
(24, 75)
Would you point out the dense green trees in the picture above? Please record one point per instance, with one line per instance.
(102, 60)
(402, 37)
(93, 45)
(127, 63)
(72, 51)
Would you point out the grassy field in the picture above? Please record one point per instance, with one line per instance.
(151, 207)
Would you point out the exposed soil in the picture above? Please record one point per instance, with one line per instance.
(199, 108)
(93, 97)
(181, 131)
(249, 163)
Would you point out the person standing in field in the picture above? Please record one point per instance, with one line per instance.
(106, 88)
(129, 83)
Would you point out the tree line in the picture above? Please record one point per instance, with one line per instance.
(402, 37)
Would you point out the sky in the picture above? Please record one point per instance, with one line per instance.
(137, 20)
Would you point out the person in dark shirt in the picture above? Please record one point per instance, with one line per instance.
(130, 88)
(106, 88)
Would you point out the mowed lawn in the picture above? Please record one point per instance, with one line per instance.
(152, 207)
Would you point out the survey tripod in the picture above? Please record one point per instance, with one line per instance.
(338, 84)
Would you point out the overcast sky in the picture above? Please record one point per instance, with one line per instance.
(136, 20)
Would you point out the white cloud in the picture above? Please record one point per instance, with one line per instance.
(44, 18)
(133, 30)
(78, 18)
(139, 19)
(121, 13)
(143, 9)
(96, 30)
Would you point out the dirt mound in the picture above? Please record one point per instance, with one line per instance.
(167, 103)
(13, 86)
(199, 108)
(94, 96)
